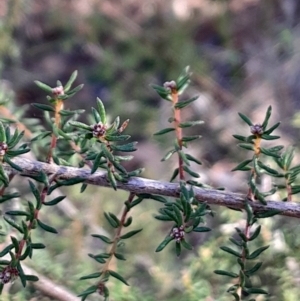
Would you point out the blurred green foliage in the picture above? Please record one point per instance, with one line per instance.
(119, 49)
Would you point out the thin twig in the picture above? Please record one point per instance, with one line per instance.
(138, 185)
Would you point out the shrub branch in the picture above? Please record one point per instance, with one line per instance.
(139, 185)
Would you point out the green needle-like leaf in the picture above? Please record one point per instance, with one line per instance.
(246, 119)
(117, 276)
(130, 234)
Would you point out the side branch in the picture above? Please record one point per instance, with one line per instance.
(138, 185)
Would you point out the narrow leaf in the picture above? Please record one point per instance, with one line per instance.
(130, 234)
(46, 227)
(43, 107)
(164, 131)
(225, 273)
(246, 119)
(257, 252)
(230, 251)
(117, 276)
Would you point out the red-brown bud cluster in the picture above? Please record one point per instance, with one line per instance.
(99, 130)
(170, 85)
(58, 91)
(178, 233)
(8, 274)
(257, 129)
(3, 148)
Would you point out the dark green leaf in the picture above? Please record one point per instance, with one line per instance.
(201, 229)
(2, 133)
(175, 174)
(257, 252)
(91, 276)
(92, 289)
(112, 179)
(117, 276)
(157, 198)
(31, 278)
(17, 213)
(136, 202)
(107, 153)
(83, 187)
(190, 138)
(184, 103)
(21, 274)
(54, 201)
(164, 131)
(269, 137)
(230, 251)
(41, 136)
(191, 158)
(35, 192)
(96, 162)
(267, 117)
(112, 219)
(103, 238)
(129, 147)
(246, 119)
(190, 172)
(246, 146)
(268, 213)
(72, 181)
(43, 86)
(101, 110)
(162, 92)
(119, 256)
(271, 129)
(163, 244)
(253, 269)
(15, 153)
(15, 139)
(267, 168)
(46, 227)
(241, 138)
(81, 125)
(72, 92)
(70, 82)
(163, 218)
(186, 245)
(295, 189)
(25, 254)
(130, 234)
(117, 137)
(178, 215)
(225, 273)
(242, 165)
(6, 250)
(37, 246)
(10, 196)
(43, 107)
(12, 164)
(13, 224)
(178, 248)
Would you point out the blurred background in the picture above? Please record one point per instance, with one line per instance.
(244, 55)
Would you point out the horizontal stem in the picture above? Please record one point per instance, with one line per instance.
(138, 185)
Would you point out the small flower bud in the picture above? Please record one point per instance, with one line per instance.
(3, 148)
(100, 289)
(8, 274)
(170, 85)
(178, 233)
(99, 130)
(58, 91)
(256, 129)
